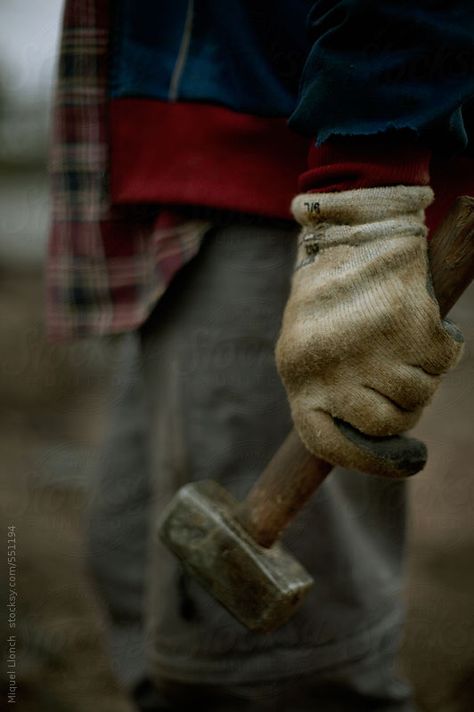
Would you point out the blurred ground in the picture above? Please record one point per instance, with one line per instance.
(439, 646)
(52, 416)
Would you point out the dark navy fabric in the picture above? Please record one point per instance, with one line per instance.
(245, 55)
(366, 66)
(381, 64)
(146, 39)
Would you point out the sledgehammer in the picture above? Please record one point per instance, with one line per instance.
(232, 547)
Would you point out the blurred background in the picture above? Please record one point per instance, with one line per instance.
(52, 413)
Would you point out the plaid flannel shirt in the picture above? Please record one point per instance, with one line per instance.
(107, 265)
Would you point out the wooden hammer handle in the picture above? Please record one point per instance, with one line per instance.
(294, 474)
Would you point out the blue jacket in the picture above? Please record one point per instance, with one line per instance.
(363, 65)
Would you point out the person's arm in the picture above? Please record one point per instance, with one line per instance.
(362, 346)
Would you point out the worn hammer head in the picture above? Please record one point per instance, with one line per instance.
(260, 587)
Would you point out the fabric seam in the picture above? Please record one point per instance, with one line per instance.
(183, 53)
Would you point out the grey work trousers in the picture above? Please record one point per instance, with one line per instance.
(196, 395)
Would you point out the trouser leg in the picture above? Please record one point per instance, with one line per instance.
(118, 518)
(217, 409)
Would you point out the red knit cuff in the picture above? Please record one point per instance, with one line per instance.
(349, 162)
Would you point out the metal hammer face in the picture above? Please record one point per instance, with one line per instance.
(260, 587)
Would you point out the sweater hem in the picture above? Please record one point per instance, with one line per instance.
(202, 154)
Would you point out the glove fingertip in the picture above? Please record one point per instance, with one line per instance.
(453, 330)
(406, 455)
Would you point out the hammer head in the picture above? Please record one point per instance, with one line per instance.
(260, 587)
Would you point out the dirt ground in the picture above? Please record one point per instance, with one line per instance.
(52, 416)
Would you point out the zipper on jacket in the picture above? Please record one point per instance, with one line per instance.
(182, 53)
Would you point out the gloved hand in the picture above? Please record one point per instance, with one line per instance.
(362, 345)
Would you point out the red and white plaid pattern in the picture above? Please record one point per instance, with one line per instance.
(107, 265)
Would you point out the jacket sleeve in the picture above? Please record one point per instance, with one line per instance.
(377, 65)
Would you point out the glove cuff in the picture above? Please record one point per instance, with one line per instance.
(365, 205)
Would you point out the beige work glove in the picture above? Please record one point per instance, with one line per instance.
(362, 345)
